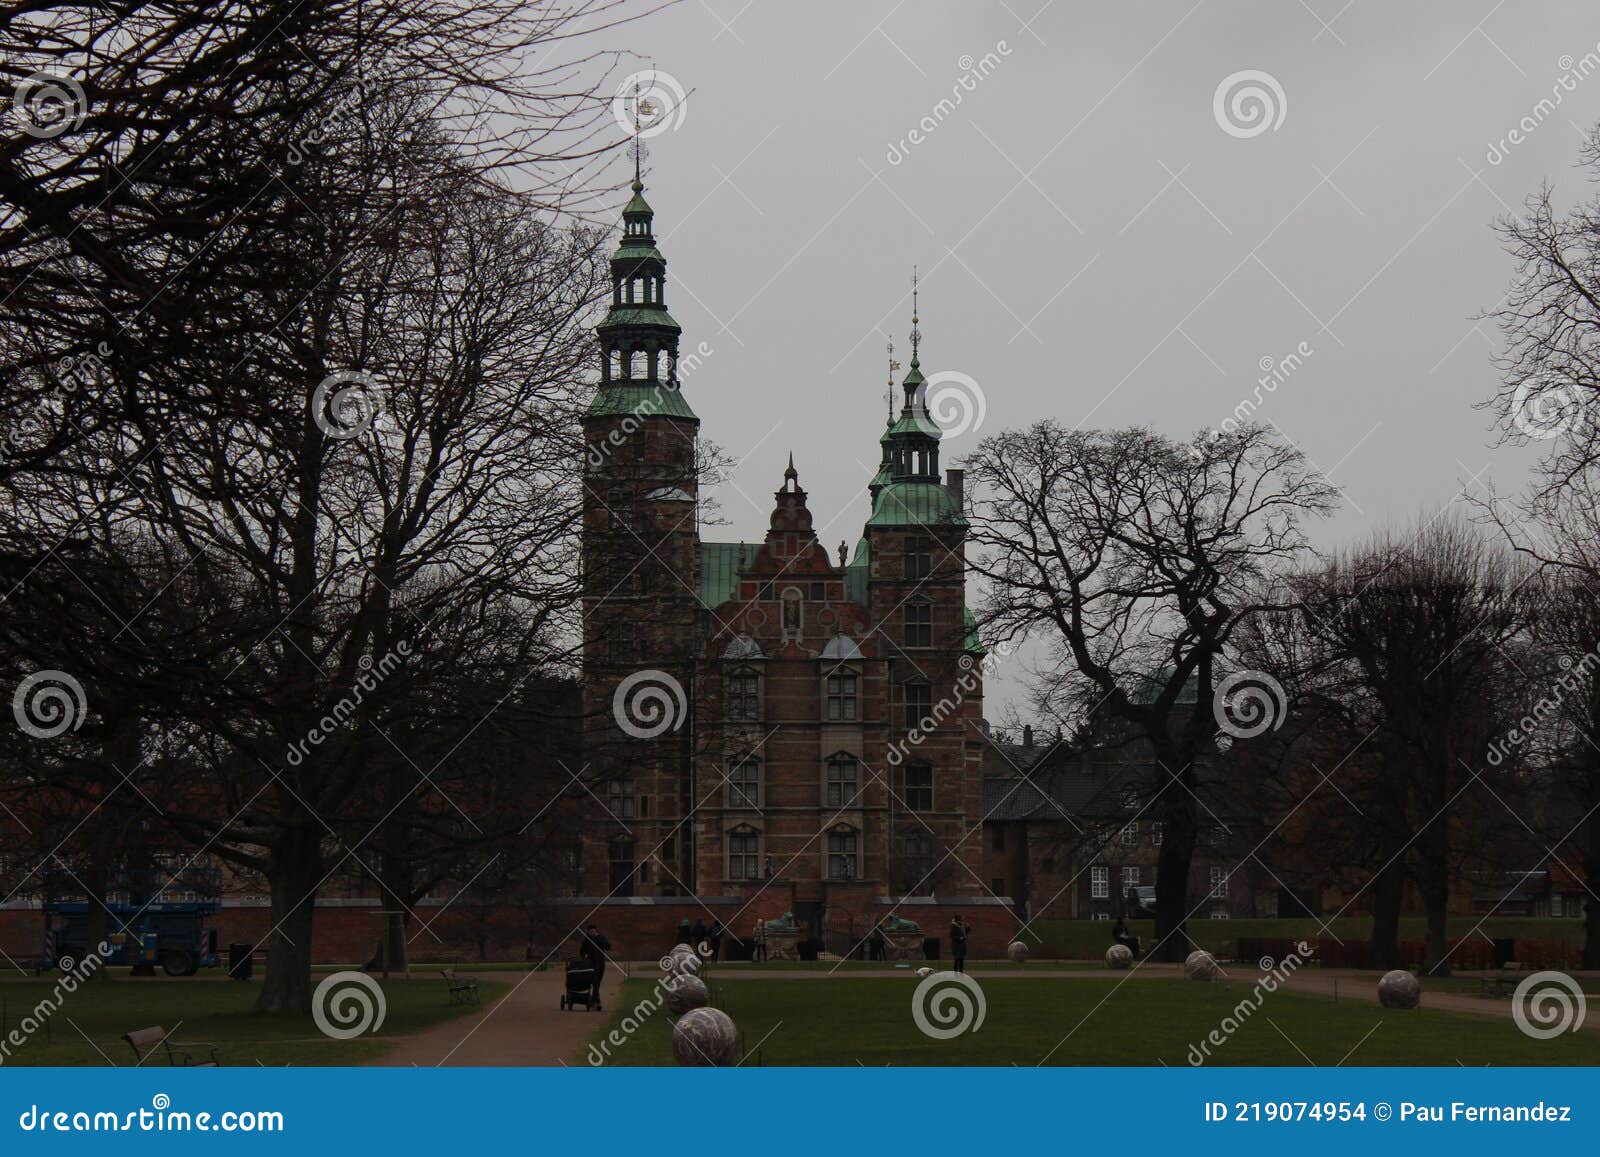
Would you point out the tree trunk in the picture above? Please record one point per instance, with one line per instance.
(1173, 865)
(293, 877)
(1388, 891)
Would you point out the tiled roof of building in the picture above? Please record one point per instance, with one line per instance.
(720, 564)
(1048, 782)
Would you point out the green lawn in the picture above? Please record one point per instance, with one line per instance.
(846, 1021)
(87, 1028)
(1084, 939)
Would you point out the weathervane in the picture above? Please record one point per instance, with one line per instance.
(916, 334)
(643, 109)
(888, 394)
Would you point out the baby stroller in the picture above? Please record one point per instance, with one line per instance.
(581, 988)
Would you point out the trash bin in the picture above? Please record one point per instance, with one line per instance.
(241, 961)
(1503, 951)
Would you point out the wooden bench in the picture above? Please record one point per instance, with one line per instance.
(463, 989)
(1494, 982)
(143, 1043)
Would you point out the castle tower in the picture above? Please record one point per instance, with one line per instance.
(915, 547)
(641, 578)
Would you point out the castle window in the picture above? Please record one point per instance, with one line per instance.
(919, 556)
(919, 624)
(1130, 835)
(916, 781)
(842, 780)
(842, 697)
(1130, 877)
(620, 855)
(764, 592)
(624, 647)
(744, 784)
(844, 854)
(1157, 830)
(819, 592)
(744, 853)
(914, 864)
(918, 701)
(743, 695)
(621, 798)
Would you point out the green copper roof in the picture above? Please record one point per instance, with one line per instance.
(635, 315)
(642, 401)
(638, 204)
(915, 504)
(628, 251)
(720, 566)
(972, 645)
(916, 422)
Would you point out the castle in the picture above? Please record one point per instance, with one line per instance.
(769, 728)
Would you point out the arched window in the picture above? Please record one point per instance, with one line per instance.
(744, 783)
(843, 780)
(744, 853)
(844, 853)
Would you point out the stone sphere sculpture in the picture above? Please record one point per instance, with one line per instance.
(685, 992)
(1119, 956)
(1399, 989)
(681, 960)
(924, 971)
(705, 1037)
(1017, 951)
(1200, 965)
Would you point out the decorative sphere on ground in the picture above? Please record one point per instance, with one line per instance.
(1018, 951)
(924, 971)
(1119, 956)
(1399, 989)
(705, 1037)
(685, 992)
(682, 960)
(1200, 965)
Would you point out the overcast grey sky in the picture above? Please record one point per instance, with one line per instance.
(1094, 245)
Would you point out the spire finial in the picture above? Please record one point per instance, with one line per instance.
(916, 334)
(641, 108)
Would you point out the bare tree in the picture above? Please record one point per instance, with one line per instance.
(1137, 558)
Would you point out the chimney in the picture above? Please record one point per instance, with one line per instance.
(1027, 735)
(955, 481)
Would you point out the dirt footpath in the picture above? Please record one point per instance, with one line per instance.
(524, 1026)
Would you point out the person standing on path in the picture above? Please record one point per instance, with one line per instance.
(594, 949)
(958, 943)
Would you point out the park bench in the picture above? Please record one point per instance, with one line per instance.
(463, 989)
(1495, 981)
(143, 1043)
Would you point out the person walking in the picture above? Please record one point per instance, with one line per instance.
(875, 943)
(594, 949)
(716, 938)
(684, 932)
(958, 943)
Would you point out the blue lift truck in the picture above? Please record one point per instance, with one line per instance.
(142, 930)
